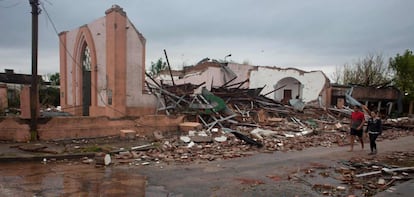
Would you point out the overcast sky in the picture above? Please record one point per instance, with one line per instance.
(306, 34)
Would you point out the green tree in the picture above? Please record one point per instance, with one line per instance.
(49, 96)
(368, 71)
(403, 67)
(55, 79)
(157, 67)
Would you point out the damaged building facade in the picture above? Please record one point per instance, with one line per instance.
(385, 99)
(280, 84)
(15, 93)
(102, 68)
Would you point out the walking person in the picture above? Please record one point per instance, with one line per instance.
(374, 129)
(357, 124)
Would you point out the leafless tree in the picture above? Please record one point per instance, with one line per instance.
(369, 71)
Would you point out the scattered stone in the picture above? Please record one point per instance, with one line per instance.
(87, 161)
(220, 139)
(127, 134)
(341, 188)
(201, 139)
(191, 144)
(185, 139)
(158, 135)
(187, 126)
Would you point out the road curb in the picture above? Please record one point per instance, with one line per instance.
(48, 157)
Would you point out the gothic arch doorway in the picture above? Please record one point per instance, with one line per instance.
(86, 79)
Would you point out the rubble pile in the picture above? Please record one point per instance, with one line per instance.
(402, 122)
(199, 146)
(238, 122)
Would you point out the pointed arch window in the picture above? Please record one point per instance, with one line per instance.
(86, 58)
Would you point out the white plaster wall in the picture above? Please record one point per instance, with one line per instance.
(135, 68)
(70, 44)
(98, 31)
(242, 72)
(213, 76)
(317, 80)
(167, 78)
(77, 85)
(313, 82)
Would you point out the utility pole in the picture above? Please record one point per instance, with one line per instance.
(34, 90)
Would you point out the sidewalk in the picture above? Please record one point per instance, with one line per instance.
(36, 151)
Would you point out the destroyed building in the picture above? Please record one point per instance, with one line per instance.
(280, 84)
(102, 68)
(385, 99)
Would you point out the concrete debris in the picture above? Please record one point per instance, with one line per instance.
(381, 181)
(341, 188)
(201, 139)
(385, 170)
(87, 161)
(220, 139)
(215, 130)
(359, 176)
(191, 144)
(142, 147)
(158, 135)
(187, 126)
(297, 104)
(259, 133)
(127, 134)
(185, 139)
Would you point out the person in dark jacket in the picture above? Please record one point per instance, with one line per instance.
(374, 129)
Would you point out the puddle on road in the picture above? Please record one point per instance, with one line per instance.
(68, 179)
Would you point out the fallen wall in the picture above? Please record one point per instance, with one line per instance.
(14, 129)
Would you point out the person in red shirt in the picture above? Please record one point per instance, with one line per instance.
(357, 124)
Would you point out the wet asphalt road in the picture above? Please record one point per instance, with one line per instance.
(265, 174)
(67, 179)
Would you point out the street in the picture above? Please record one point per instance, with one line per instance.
(262, 174)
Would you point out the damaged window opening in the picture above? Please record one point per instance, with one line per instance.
(86, 59)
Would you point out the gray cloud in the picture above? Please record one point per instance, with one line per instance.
(318, 34)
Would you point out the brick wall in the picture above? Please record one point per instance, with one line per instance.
(59, 128)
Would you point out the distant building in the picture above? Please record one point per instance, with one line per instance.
(102, 68)
(386, 99)
(14, 91)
